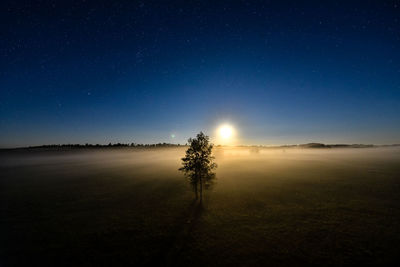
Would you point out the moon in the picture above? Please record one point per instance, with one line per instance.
(225, 132)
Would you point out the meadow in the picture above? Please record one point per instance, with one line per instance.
(131, 206)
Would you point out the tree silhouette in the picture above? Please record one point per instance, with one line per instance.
(198, 164)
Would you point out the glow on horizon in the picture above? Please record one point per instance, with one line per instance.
(225, 134)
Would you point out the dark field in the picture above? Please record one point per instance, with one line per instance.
(132, 206)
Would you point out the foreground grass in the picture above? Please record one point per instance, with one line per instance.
(268, 208)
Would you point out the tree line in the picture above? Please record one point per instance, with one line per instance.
(87, 145)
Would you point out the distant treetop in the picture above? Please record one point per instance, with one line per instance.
(87, 145)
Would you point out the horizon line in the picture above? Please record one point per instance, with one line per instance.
(164, 144)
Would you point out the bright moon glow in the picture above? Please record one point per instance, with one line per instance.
(225, 131)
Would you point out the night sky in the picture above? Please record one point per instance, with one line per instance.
(279, 72)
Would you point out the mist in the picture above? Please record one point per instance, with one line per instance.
(246, 165)
(318, 205)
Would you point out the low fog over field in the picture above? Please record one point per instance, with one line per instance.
(131, 205)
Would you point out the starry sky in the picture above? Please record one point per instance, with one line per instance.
(279, 72)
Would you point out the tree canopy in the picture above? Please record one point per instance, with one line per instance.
(198, 164)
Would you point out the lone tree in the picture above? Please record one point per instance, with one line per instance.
(198, 164)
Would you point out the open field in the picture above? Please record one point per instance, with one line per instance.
(132, 206)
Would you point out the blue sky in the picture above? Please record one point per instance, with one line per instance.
(280, 72)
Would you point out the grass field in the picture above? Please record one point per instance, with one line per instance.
(132, 206)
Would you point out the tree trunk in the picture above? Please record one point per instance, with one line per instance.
(201, 189)
(196, 192)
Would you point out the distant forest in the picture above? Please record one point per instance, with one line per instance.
(309, 145)
(105, 146)
(160, 145)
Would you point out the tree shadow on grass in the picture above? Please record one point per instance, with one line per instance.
(183, 231)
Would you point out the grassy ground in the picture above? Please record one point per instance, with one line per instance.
(132, 206)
